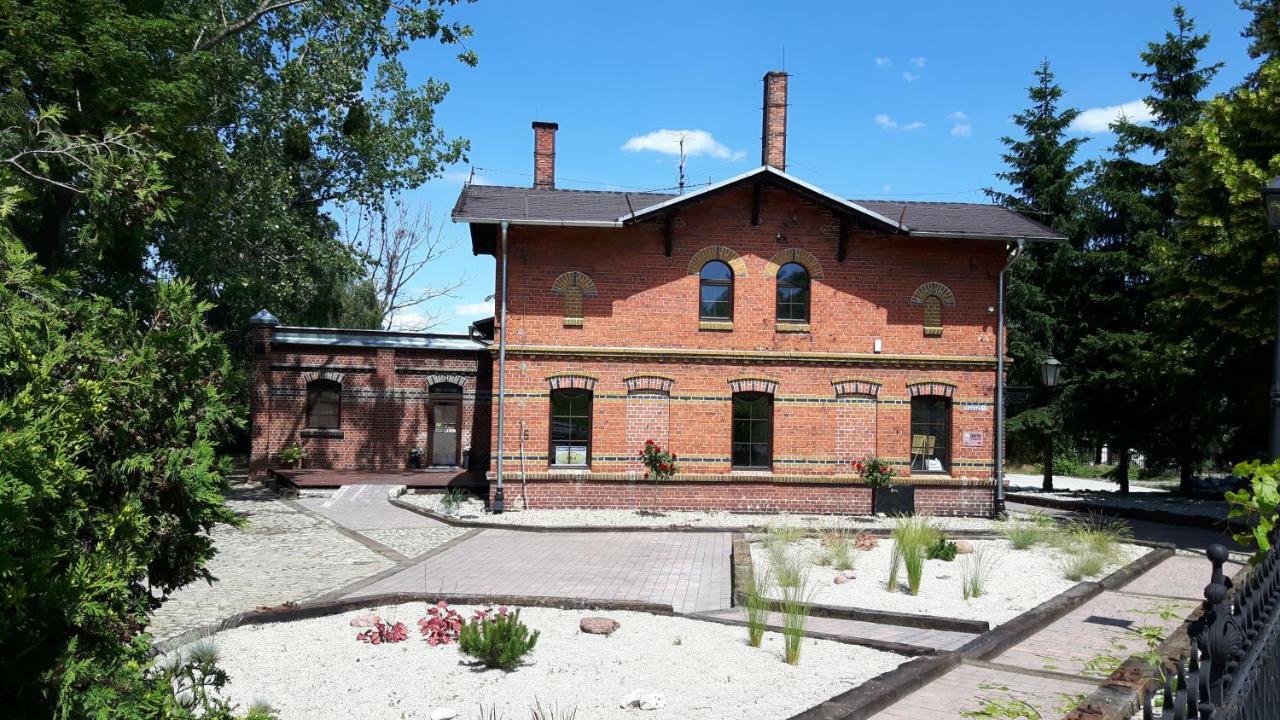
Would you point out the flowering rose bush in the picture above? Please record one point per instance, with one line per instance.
(874, 471)
(661, 463)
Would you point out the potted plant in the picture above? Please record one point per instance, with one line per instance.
(292, 456)
(415, 458)
(886, 497)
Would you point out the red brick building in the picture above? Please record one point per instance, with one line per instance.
(766, 331)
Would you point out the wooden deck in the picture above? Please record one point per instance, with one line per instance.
(425, 478)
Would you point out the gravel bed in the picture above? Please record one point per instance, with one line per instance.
(1164, 502)
(316, 668)
(474, 510)
(1019, 580)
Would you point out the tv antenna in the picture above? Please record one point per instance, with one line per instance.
(680, 185)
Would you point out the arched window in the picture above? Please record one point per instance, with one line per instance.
(933, 316)
(793, 294)
(752, 431)
(445, 388)
(715, 292)
(324, 405)
(571, 427)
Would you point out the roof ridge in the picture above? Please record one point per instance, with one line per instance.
(570, 190)
(926, 202)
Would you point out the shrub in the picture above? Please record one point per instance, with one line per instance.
(757, 608)
(865, 541)
(442, 625)
(975, 569)
(383, 632)
(659, 464)
(876, 473)
(110, 482)
(500, 641)
(795, 605)
(942, 549)
(1259, 503)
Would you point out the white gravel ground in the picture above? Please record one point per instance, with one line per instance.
(1020, 580)
(473, 510)
(317, 669)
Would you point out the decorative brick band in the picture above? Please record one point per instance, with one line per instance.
(738, 357)
(323, 368)
(933, 289)
(451, 378)
(308, 377)
(939, 388)
(754, 384)
(721, 253)
(737, 478)
(848, 387)
(649, 383)
(580, 381)
(794, 255)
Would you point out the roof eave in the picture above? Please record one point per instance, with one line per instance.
(988, 236)
(546, 223)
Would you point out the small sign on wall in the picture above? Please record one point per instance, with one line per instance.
(972, 438)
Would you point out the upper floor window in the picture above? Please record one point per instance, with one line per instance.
(570, 427)
(931, 297)
(793, 293)
(752, 431)
(930, 434)
(715, 292)
(324, 405)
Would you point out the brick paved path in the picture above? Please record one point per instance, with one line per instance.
(856, 629)
(1070, 656)
(689, 571)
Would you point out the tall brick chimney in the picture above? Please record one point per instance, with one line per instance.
(773, 139)
(544, 155)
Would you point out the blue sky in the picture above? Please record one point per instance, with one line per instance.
(898, 100)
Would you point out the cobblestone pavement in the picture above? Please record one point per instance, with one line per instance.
(282, 555)
(365, 510)
(689, 571)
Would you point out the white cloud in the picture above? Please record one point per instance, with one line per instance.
(958, 116)
(883, 61)
(910, 76)
(917, 61)
(889, 123)
(480, 309)
(960, 126)
(1100, 119)
(696, 142)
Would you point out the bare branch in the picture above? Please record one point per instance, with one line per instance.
(264, 8)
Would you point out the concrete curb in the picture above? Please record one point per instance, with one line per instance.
(1140, 566)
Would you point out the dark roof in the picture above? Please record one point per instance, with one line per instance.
(489, 204)
(336, 337)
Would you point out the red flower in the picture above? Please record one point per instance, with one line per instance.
(648, 442)
(646, 476)
(673, 456)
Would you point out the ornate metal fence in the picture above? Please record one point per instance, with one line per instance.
(1232, 671)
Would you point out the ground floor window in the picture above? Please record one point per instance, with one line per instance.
(324, 405)
(570, 427)
(930, 434)
(752, 431)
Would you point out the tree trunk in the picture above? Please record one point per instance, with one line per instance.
(1122, 471)
(1048, 462)
(50, 243)
(1186, 474)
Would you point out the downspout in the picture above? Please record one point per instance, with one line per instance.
(1014, 254)
(502, 371)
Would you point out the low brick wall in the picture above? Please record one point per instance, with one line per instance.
(785, 495)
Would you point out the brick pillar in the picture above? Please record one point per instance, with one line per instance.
(544, 155)
(773, 138)
(261, 328)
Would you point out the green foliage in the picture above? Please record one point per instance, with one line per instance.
(292, 454)
(913, 535)
(942, 549)
(1259, 504)
(757, 607)
(975, 569)
(1078, 566)
(796, 604)
(500, 641)
(110, 481)
(875, 472)
(838, 550)
(1022, 534)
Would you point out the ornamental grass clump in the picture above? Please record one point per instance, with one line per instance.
(975, 569)
(1086, 546)
(796, 604)
(1022, 534)
(757, 608)
(913, 535)
(500, 641)
(838, 550)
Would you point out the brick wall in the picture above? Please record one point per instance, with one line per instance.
(385, 404)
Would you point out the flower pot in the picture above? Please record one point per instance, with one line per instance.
(415, 462)
(894, 500)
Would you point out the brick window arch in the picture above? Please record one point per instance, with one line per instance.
(324, 405)
(931, 297)
(573, 286)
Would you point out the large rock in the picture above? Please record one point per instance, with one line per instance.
(841, 579)
(365, 621)
(444, 713)
(963, 547)
(598, 625)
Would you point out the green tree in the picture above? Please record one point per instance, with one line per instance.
(256, 115)
(1131, 383)
(1042, 175)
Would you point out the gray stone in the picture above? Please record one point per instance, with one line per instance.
(444, 713)
(365, 621)
(653, 701)
(963, 547)
(841, 579)
(598, 625)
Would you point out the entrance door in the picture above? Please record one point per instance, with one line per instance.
(444, 433)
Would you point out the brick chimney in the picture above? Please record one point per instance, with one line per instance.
(544, 155)
(773, 139)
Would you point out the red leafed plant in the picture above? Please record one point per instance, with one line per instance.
(384, 633)
(865, 541)
(485, 613)
(441, 625)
